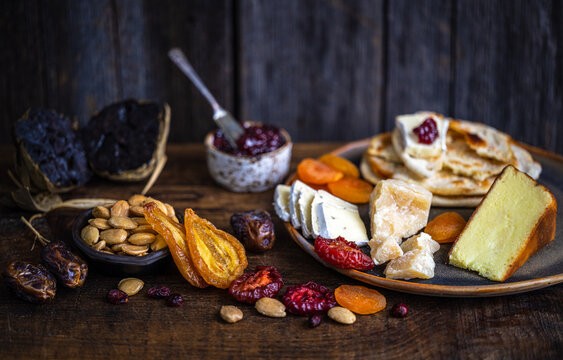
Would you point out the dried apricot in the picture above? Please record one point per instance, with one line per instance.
(218, 256)
(315, 172)
(445, 227)
(344, 165)
(175, 236)
(360, 299)
(353, 190)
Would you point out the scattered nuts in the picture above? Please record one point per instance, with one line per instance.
(122, 222)
(101, 212)
(231, 314)
(270, 307)
(144, 229)
(139, 220)
(120, 208)
(130, 286)
(99, 223)
(99, 245)
(113, 236)
(136, 210)
(141, 239)
(90, 234)
(342, 315)
(117, 247)
(136, 199)
(135, 249)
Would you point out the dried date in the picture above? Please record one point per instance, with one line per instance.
(67, 267)
(254, 229)
(33, 283)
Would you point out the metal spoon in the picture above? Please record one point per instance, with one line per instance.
(226, 122)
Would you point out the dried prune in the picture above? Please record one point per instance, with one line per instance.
(256, 139)
(342, 253)
(159, 291)
(175, 300)
(117, 297)
(33, 283)
(67, 267)
(265, 281)
(49, 152)
(308, 299)
(254, 229)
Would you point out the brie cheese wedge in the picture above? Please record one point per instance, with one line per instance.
(324, 196)
(335, 221)
(281, 202)
(294, 210)
(304, 201)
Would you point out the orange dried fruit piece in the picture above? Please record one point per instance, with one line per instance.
(353, 190)
(343, 165)
(315, 172)
(218, 256)
(445, 227)
(360, 299)
(174, 235)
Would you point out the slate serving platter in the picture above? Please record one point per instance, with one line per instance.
(543, 269)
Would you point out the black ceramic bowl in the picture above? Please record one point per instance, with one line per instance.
(117, 264)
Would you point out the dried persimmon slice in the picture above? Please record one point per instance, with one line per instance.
(360, 299)
(315, 172)
(218, 256)
(343, 165)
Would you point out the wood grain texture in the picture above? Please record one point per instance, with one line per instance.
(80, 324)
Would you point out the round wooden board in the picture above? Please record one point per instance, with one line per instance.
(543, 269)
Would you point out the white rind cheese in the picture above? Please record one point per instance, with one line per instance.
(281, 202)
(294, 210)
(320, 197)
(305, 200)
(406, 124)
(335, 221)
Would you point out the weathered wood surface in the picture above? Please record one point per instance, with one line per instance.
(80, 324)
(323, 69)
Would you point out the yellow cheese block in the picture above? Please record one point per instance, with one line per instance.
(515, 219)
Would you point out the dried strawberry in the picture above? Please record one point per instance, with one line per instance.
(342, 253)
(265, 281)
(308, 299)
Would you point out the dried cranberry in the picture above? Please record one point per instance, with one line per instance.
(158, 291)
(117, 297)
(254, 141)
(308, 299)
(265, 281)
(427, 132)
(254, 229)
(342, 253)
(399, 310)
(175, 300)
(315, 321)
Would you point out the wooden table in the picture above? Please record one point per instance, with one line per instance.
(81, 324)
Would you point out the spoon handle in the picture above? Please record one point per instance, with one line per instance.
(178, 57)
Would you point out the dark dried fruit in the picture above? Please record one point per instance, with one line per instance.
(255, 140)
(254, 229)
(67, 267)
(399, 310)
(265, 281)
(427, 132)
(117, 297)
(315, 321)
(158, 292)
(33, 283)
(123, 140)
(175, 300)
(308, 299)
(342, 253)
(50, 155)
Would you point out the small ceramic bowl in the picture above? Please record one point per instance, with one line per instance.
(117, 264)
(249, 173)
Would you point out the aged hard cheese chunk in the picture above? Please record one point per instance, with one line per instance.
(322, 196)
(515, 219)
(281, 202)
(422, 241)
(294, 209)
(384, 250)
(305, 200)
(398, 209)
(335, 221)
(413, 264)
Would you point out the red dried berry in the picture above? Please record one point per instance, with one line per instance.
(399, 310)
(117, 297)
(175, 300)
(427, 132)
(308, 299)
(159, 291)
(254, 141)
(315, 321)
(265, 281)
(342, 253)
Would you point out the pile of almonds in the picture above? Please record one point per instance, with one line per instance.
(121, 228)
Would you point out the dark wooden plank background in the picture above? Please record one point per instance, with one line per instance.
(324, 69)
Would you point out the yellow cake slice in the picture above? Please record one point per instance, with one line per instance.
(515, 219)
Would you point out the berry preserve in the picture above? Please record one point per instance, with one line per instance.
(255, 140)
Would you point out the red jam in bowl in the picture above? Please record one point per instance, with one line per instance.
(255, 140)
